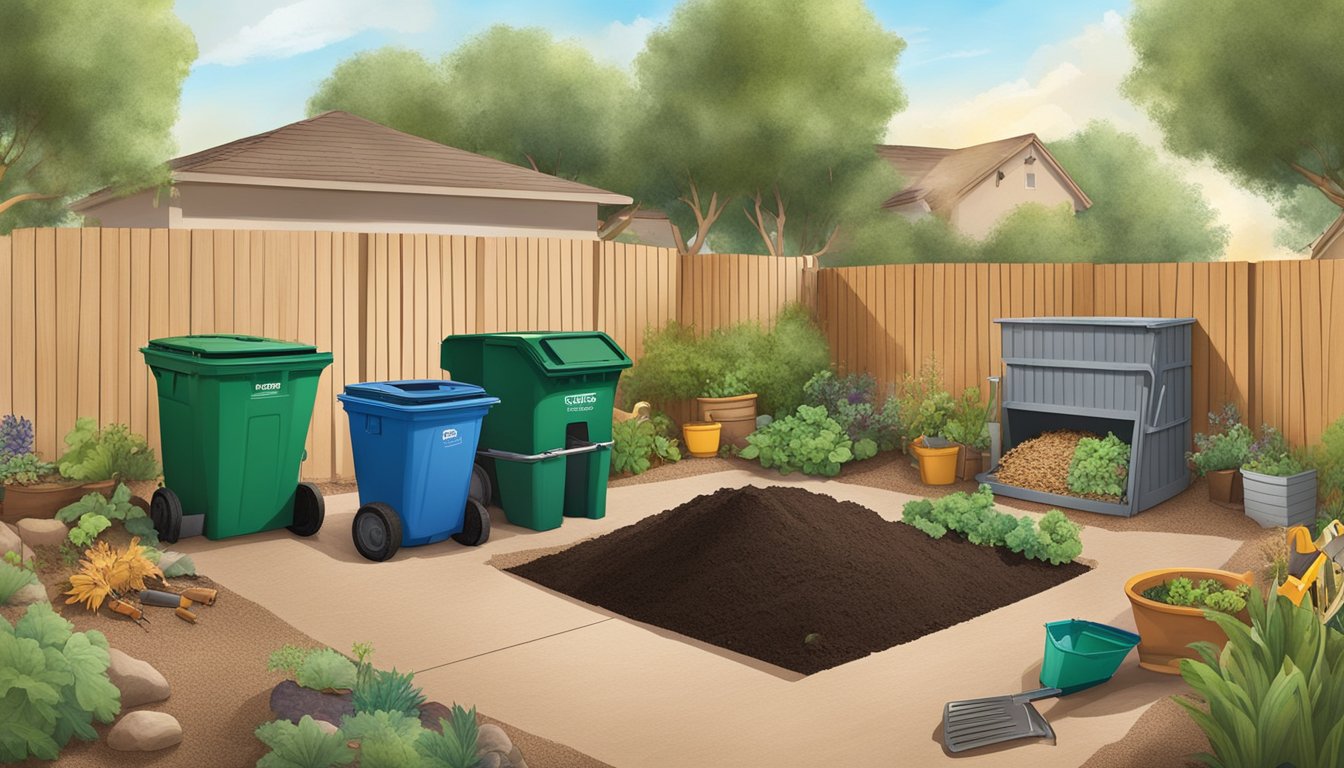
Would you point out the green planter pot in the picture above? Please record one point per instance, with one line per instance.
(1280, 501)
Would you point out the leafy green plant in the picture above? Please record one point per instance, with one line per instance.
(182, 566)
(1226, 446)
(87, 529)
(53, 685)
(113, 452)
(727, 384)
(455, 745)
(1329, 463)
(925, 406)
(637, 444)
(1100, 466)
(287, 659)
(24, 469)
(13, 577)
(118, 507)
(386, 739)
(302, 746)
(852, 401)
(385, 691)
(1274, 694)
(1207, 593)
(1271, 455)
(973, 516)
(968, 423)
(810, 441)
(326, 670)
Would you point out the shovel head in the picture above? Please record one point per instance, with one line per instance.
(980, 722)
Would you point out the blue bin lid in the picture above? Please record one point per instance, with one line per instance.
(415, 391)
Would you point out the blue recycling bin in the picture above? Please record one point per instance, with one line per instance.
(415, 444)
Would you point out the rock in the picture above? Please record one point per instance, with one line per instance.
(145, 731)
(326, 727)
(516, 758)
(33, 593)
(430, 714)
(490, 760)
(138, 682)
(492, 738)
(291, 701)
(38, 532)
(9, 539)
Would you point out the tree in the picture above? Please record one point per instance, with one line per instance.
(517, 95)
(88, 96)
(1247, 84)
(777, 103)
(1141, 209)
(1035, 233)
(1303, 215)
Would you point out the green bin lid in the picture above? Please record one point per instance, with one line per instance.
(227, 345)
(560, 353)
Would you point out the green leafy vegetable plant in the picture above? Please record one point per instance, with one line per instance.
(386, 739)
(87, 529)
(968, 424)
(302, 746)
(1274, 694)
(287, 659)
(13, 577)
(455, 746)
(326, 670)
(385, 691)
(925, 406)
(1207, 593)
(1100, 466)
(118, 508)
(810, 441)
(637, 444)
(853, 402)
(24, 469)
(53, 685)
(113, 452)
(1055, 541)
(1226, 446)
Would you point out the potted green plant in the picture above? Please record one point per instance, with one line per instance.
(1280, 490)
(94, 461)
(728, 400)
(968, 427)
(1169, 604)
(1220, 454)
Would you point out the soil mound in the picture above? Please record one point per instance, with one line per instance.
(794, 578)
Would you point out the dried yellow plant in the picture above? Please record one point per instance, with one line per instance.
(104, 570)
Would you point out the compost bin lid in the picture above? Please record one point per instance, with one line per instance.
(415, 391)
(561, 353)
(229, 345)
(1133, 322)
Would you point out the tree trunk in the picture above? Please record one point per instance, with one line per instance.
(25, 197)
(704, 219)
(1328, 187)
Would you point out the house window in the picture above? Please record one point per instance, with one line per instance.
(1031, 181)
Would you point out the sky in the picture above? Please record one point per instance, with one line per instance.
(973, 71)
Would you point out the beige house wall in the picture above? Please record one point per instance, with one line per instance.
(234, 206)
(976, 214)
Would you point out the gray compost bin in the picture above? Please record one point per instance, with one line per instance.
(1125, 375)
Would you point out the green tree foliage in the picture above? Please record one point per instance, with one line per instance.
(88, 95)
(517, 95)
(1142, 210)
(1248, 85)
(764, 113)
(1303, 214)
(1034, 232)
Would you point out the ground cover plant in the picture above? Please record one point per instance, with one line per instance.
(809, 441)
(1226, 446)
(14, 577)
(1208, 593)
(974, 517)
(94, 513)
(854, 403)
(724, 568)
(113, 452)
(1100, 467)
(1274, 694)
(638, 443)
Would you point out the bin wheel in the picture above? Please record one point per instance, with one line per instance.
(309, 510)
(165, 512)
(377, 531)
(481, 489)
(475, 525)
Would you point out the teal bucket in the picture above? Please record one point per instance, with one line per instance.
(1080, 654)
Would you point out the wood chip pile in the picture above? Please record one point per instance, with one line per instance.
(1042, 463)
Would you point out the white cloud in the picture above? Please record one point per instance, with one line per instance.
(308, 25)
(618, 43)
(962, 54)
(1064, 86)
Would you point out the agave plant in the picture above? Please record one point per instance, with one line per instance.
(1275, 693)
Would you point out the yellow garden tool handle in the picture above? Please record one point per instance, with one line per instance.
(201, 595)
(185, 615)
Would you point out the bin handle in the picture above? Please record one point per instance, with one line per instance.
(533, 458)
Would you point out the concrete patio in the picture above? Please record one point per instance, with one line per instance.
(634, 695)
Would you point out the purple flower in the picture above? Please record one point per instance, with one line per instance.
(16, 436)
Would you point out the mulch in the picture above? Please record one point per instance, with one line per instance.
(790, 577)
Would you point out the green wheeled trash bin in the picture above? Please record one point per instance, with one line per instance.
(547, 445)
(233, 418)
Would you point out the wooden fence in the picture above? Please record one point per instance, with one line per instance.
(82, 302)
(1269, 336)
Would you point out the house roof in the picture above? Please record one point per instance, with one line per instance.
(1322, 244)
(338, 150)
(941, 177)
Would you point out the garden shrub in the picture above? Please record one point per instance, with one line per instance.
(302, 746)
(1226, 446)
(383, 691)
(852, 401)
(13, 577)
(809, 440)
(973, 516)
(455, 746)
(113, 452)
(1329, 462)
(24, 469)
(968, 423)
(118, 507)
(1274, 694)
(1271, 455)
(53, 685)
(1208, 593)
(638, 443)
(1100, 466)
(924, 405)
(325, 669)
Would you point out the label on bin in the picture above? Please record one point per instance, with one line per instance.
(580, 402)
(451, 438)
(266, 388)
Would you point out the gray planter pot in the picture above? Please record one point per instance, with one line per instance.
(1280, 501)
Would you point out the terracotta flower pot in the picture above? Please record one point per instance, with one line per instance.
(1168, 630)
(969, 462)
(736, 414)
(1225, 486)
(44, 500)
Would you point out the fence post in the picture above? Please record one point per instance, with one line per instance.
(808, 284)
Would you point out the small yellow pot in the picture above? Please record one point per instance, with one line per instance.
(937, 466)
(702, 438)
